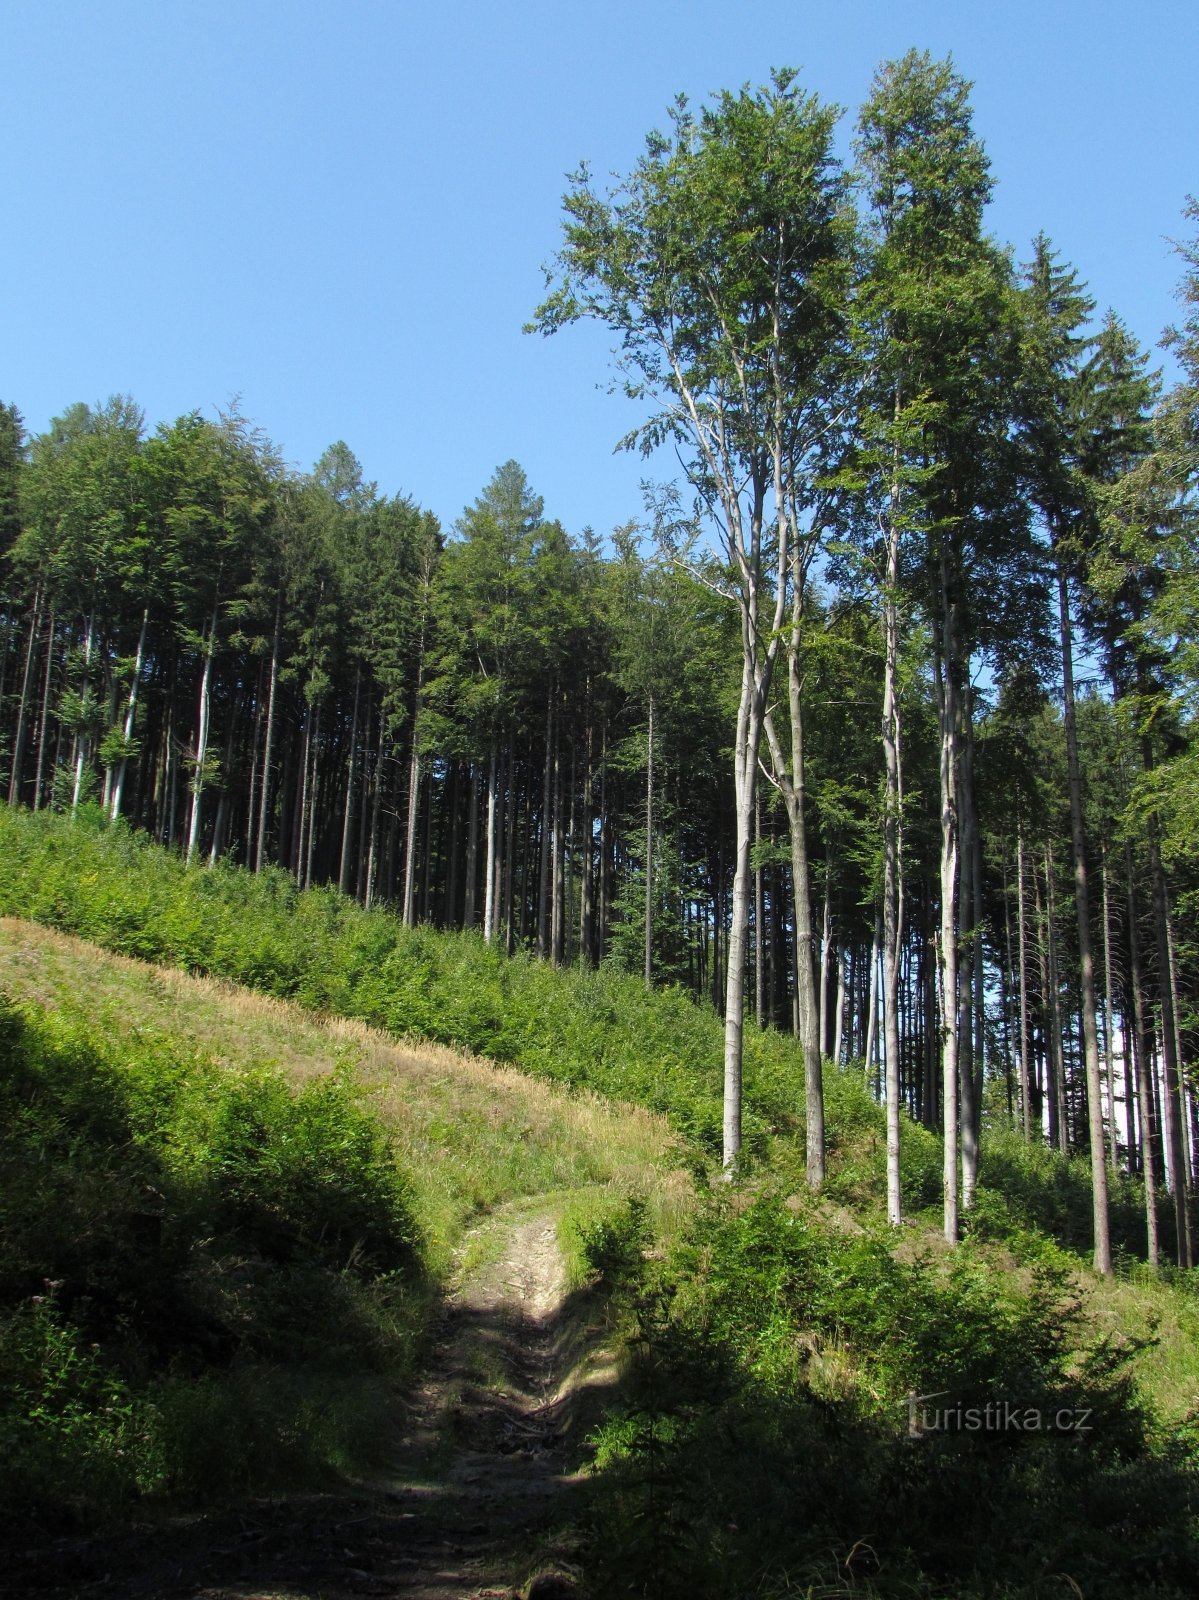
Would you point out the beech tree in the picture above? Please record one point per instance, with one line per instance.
(720, 262)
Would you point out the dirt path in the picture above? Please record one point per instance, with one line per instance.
(483, 1465)
(479, 1499)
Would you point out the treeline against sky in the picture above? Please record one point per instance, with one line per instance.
(512, 727)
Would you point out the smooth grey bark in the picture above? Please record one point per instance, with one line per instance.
(118, 788)
(489, 867)
(892, 908)
(945, 665)
(792, 783)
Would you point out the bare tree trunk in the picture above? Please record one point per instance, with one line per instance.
(649, 849)
(18, 749)
(759, 943)
(586, 906)
(945, 665)
(489, 869)
(870, 1053)
(556, 862)
(968, 944)
(825, 951)
(1103, 1246)
(372, 854)
(839, 1017)
(313, 808)
(1026, 1083)
(472, 853)
(44, 718)
(264, 798)
(1109, 1057)
(793, 786)
(1061, 1121)
(130, 714)
(81, 741)
(414, 781)
(1183, 1185)
(193, 830)
(343, 870)
(1150, 1164)
(1171, 1099)
(543, 880)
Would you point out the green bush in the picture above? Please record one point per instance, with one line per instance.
(186, 1251)
(765, 1446)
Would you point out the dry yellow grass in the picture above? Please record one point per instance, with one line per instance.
(471, 1134)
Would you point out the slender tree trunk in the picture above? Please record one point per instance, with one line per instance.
(1103, 1247)
(759, 941)
(1171, 1099)
(649, 848)
(193, 830)
(543, 878)
(1061, 1120)
(871, 1049)
(414, 785)
(130, 714)
(372, 854)
(489, 870)
(81, 741)
(945, 663)
(44, 718)
(1108, 1053)
(968, 957)
(586, 885)
(472, 852)
(264, 799)
(1026, 1083)
(18, 750)
(313, 806)
(343, 870)
(1184, 1169)
(744, 776)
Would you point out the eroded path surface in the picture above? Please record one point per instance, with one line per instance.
(483, 1468)
(480, 1499)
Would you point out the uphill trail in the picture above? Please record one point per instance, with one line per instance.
(478, 1500)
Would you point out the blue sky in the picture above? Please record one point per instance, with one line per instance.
(339, 208)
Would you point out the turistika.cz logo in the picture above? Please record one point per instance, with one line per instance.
(995, 1416)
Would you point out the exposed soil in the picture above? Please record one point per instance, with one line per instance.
(480, 1500)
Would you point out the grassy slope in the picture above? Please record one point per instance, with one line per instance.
(470, 1134)
(473, 1135)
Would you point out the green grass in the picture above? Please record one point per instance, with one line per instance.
(225, 1220)
(598, 1029)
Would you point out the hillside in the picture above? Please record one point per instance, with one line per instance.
(750, 1350)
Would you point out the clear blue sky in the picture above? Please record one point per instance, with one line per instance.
(339, 208)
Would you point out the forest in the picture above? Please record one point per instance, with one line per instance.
(879, 730)
(812, 857)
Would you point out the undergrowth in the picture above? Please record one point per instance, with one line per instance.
(207, 1282)
(807, 1415)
